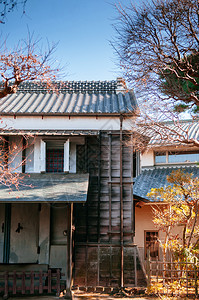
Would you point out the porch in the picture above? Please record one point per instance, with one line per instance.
(36, 238)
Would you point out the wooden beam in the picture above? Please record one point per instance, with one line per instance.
(7, 225)
(68, 294)
(98, 208)
(110, 186)
(121, 209)
(99, 186)
(24, 145)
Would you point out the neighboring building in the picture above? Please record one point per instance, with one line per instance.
(156, 163)
(74, 211)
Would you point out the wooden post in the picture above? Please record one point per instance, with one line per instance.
(187, 279)
(14, 288)
(135, 266)
(23, 286)
(24, 145)
(121, 210)
(148, 269)
(49, 281)
(110, 186)
(58, 282)
(98, 209)
(68, 294)
(40, 283)
(6, 286)
(31, 283)
(196, 277)
(157, 268)
(7, 226)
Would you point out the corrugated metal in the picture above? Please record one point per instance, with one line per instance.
(51, 188)
(32, 103)
(156, 178)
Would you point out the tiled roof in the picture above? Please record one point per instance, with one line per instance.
(48, 132)
(186, 129)
(48, 188)
(90, 87)
(156, 178)
(67, 103)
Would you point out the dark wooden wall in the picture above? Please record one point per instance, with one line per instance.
(105, 224)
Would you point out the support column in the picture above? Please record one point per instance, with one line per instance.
(7, 224)
(121, 209)
(69, 252)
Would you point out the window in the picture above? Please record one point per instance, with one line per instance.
(160, 157)
(55, 156)
(151, 243)
(174, 157)
(182, 156)
(54, 160)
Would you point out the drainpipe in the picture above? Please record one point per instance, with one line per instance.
(121, 210)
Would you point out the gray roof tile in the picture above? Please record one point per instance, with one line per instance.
(68, 103)
(156, 178)
(48, 188)
(95, 97)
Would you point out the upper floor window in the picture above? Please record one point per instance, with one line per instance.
(55, 156)
(54, 160)
(160, 157)
(176, 157)
(182, 156)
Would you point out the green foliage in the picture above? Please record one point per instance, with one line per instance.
(182, 81)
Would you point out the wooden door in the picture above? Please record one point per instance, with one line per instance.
(24, 233)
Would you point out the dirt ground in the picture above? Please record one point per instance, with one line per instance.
(91, 297)
(77, 298)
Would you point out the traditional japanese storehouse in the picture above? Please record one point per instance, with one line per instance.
(73, 208)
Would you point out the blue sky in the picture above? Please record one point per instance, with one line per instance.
(83, 29)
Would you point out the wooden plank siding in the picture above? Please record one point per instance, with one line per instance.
(97, 258)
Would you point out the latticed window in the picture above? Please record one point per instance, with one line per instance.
(54, 160)
(151, 243)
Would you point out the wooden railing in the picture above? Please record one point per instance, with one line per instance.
(30, 282)
(173, 277)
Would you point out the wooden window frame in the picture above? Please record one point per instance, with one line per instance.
(145, 249)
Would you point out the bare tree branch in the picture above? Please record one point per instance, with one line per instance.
(26, 62)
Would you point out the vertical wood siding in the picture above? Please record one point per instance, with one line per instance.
(97, 235)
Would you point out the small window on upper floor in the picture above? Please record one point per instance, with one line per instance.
(175, 157)
(160, 157)
(55, 156)
(183, 157)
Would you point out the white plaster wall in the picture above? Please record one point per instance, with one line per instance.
(15, 153)
(64, 123)
(44, 233)
(29, 164)
(37, 155)
(147, 159)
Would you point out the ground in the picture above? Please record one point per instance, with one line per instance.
(75, 298)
